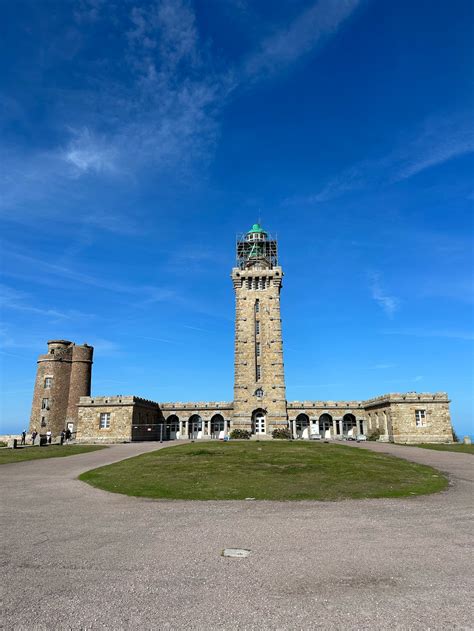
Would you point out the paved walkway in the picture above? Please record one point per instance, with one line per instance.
(75, 557)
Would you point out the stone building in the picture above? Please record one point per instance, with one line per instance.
(63, 376)
(62, 390)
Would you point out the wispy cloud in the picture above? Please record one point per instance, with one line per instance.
(20, 301)
(388, 303)
(435, 142)
(382, 366)
(162, 117)
(458, 334)
(310, 29)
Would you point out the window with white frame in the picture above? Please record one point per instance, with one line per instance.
(420, 418)
(45, 404)
(48, 382)
(104, 420)
(259, 393)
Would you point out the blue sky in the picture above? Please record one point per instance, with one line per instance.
(137, 138)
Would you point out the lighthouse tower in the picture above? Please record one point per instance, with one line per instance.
(259, 384)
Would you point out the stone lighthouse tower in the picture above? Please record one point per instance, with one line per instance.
(259, 385)
(63, 375)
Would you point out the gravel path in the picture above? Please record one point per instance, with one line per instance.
(75, 557)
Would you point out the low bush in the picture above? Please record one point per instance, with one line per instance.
(374, 435)
(240, 433)
(3, 443)
(282, 433)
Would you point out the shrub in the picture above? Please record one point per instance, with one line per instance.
(240, 433)
(374, 435)
(455, 437)
(3, 443)
(282, 433)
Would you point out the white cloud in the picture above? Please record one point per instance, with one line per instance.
(435, 142)
(307, 31)
(459, 334)
(388, 303)
(87, 153)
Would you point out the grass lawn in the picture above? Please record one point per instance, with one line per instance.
(8, 456)
(265, 471)
(460, 447)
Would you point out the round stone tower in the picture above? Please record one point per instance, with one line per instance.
(80, 379)
(63, 374)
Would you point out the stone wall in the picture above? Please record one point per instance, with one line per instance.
(120, 424)
(396, 416)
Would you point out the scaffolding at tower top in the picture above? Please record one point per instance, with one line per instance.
(256, 249)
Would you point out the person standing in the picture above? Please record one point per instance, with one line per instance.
(34, 434)
(68, 435)
(48, 436)
(63, 434)
(23, 437)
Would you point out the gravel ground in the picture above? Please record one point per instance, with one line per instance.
(75, 557)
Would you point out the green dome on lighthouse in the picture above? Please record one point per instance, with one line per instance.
(256, 228)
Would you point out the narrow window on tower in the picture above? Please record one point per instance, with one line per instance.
(48, 382)
(258, 373)
(257, 349)
(45, 404)
(257, 306)
(257, 327)
(262, 282)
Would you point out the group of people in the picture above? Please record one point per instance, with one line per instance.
(65, 435)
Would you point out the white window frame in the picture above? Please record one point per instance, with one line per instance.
(420, 418)
(48, 382)
(104, 420)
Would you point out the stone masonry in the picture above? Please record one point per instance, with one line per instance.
(63, 375)
(63, 382)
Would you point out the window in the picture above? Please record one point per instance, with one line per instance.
(48, 382)
(257, 327)
(259, 393)
(257, 306)
(420, 418)
(43, 421)
(258, 372)
(257, 349)
(45, 404)
(104, 420)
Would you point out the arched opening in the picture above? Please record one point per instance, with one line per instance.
(325, 425)
(349, 425)
(302, 426)
(172, 427)
(258, 422)
(217, 426)
(195, 427)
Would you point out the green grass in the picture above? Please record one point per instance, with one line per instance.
(459, 447)
(7, 456)
(265, 471)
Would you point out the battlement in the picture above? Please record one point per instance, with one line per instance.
(408, 397)
(115, 400)
(292, 405)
